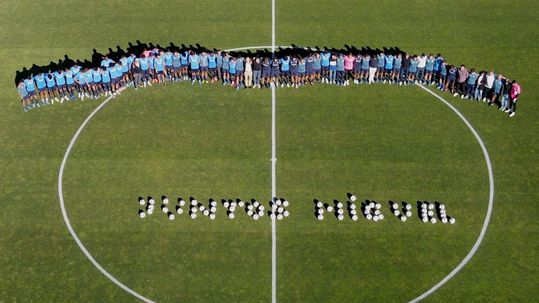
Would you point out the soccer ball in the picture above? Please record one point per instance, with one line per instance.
(286, 213)
(368, 216)
(408, 214)
(403, 218)
(340, 217)
(353, 212)
(319, 204)
(378, 206)
(272, 216)
(353, 198)
(213, 203)
(340, 211)
(260, 213)
(256, 204)
(179, 211)
(171, 217)
(182, 202)
(255, 216)
(381, 216)
(408, 206)
(319, 217)
(394, 206)
(151, 201)
(142, 214)
(352, 206)
(206, 212)
(213, 209)
(226, 204)
(430, 213)
(241, 204)
(194, 202)
(396, 212)
(330, 208)
(202, 208)
(375, 218)
(280, 210)
(424, 219)
(212, 216)
(339, 205)
(444, 220)
(354, 218)
(452, 220)
(165, 200)
(371, 205)
(165, 209)
(431, 206)
(193, 215)
(232, 208)
(231, 215)
(285, 203)
(377, 212)
(433, 220)
(141, 202)
(250, 213)
(194, 209)
(279, 216)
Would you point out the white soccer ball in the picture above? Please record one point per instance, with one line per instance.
(165, 209)
(151, 206)
(274, 206)
(319, 211)
(375, 218)
(394, 206)
(285, 203)
(286, 213)
(206, 212)
(226, 204)
(231, 215)
(339, 205)
(256, 204)
(261, 213)
(371, 205)
(202, 208)
(381, 216)
(352, 206)
(179, 211)
(165, 200)
(272, 216)
(408, 206)
(194, 209)
(250, 213)
(150, 211)
(340, 211)
(279, 216)
(320, 217)
(452, 220)
(232, 208)
(278, 202)
(142, 214)
(442, 206)
(171, 217)
(353, 212)
(340, 217)
(403, 218)
(377, 212)
(194, 202)
(319, 204)
(233, 204)
(424, 205)
(425, 219)
(261, 208)
(141, 202)
(212, 216)
(354, 218)
(241, 204)
(431, 206)
(330, 208)
(430, 213)
(193, 216)
(444, 220)
(396, 212)
(353, 198)
(280, 210)
(369, 216)
(408, 214)
(250, 207)
(213, 209)
(378, 206)
(182, 202)
(213, 203)
(151, 201)
(433, 220)
(255, 216)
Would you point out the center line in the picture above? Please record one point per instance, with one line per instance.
(273, 171)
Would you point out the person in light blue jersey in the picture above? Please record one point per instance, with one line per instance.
(97, 86)
(125, 70)
(106, 82)
(203, 62)
(30, 86)
(60, 79)
(168, 64)
(470, 83)
(159, 64)
(332, 69)
(437, 68)
(41, 85)
(443, 75)
(240, 67)
(130, 59)
(365, 62)
(25, 96)
(285, 71)
(184, 71)
(80, 79)
(176, 66)
(106, 62)
(89, 79)
(226, 69)
(212, 67)
(151, 71)
(70, 83)
(51, 87)
(380, 67)
(429, 69)
(497, 90)
(194, 62)
(324, 62)
(232, 71)
(389, 59)
(145, 67)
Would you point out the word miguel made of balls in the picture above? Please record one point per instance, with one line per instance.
(371, 210)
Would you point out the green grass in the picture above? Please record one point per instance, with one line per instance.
(380, 142)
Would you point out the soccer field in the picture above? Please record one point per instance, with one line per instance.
(378, 142)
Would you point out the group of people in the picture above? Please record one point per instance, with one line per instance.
(265, 70)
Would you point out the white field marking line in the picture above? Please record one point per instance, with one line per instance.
(273, 170)
(64, 212)
(490, 201)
